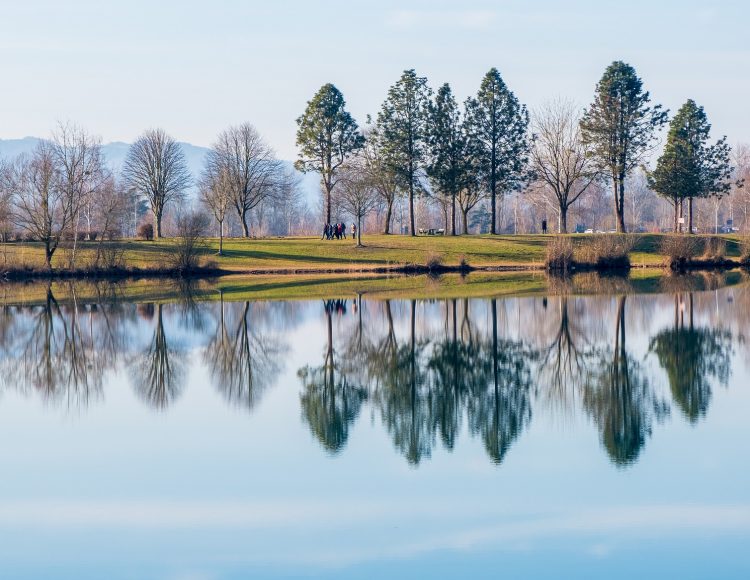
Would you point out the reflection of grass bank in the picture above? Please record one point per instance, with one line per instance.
(307, 287)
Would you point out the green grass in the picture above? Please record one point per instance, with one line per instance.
(308, 254)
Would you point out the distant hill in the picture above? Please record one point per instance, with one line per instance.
(116, 151)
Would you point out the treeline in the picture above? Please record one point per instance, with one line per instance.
(423, 144)
(423, 155)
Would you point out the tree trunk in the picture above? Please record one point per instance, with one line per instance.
(563, 220)
(245, 228)
(465, 214)
(620, 203)
(453, 214)
(493, 192)
(221, 238)
(157, 225)
(690, 215)
(359, 231)
(388, 215)
(48, 251)
(328, 201)
(411, 209)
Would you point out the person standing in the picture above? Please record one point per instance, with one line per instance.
(354, 232)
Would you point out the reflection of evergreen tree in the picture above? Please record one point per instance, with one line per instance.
(243, 363)
(500, 405)
(619, 398)
(405, 399)
(159, 373)
(692, 357)
(330, 403)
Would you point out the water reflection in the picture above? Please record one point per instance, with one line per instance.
(430, 372)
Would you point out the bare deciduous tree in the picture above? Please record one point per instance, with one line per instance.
(560, 160)
(356, 195)
(216, 195)
(251, 167)
(155, 167)
(41, 207)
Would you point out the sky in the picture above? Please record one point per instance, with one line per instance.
(195, 67)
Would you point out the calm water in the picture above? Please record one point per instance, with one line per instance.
(596, 436)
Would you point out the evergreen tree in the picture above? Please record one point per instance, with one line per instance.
(498, 126)
(402, 128)
(690, 167)
(447, 163)
(620, 127)
(327, 136)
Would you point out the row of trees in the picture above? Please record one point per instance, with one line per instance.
(64, 190)
(418, 144)
(424, 143)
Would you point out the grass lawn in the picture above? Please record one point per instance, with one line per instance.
(310, 254)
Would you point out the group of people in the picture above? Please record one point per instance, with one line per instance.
(337, 231)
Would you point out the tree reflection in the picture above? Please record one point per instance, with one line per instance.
(245, 363)
(160, 371)
(500, 408)
(619, 398)
(404, 397)
(692, 357)
(330, 402)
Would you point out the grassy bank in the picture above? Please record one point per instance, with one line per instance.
(311, 255)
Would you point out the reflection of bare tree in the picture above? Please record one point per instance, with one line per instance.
(244, 364)
(692, 357)
(65, 352)
(563, 359)
(330, 403)
(619, 398)
(500, 408)
(159, 373)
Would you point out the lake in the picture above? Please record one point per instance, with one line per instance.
(183, 433)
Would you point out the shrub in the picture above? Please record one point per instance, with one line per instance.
(434, 261)
(191, 226)
(745, 251)
(607, 252)
(680, 250)
(715, 248)
(146, 231)
(463, 263)
(559, 254)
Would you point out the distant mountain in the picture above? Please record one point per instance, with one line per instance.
(116, 152)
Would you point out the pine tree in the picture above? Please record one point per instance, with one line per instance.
(498, 126)
(620, 127)
(402, 128)
(690, 168)
(327, 136)
(446, 137)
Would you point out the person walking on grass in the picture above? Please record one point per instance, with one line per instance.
(354, 232)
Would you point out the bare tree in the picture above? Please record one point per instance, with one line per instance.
(383, 179)
(356, 195)
(216, 195)
(155, 167)
(251, 167)
(560, 159)
(41, 207)
(82, 171)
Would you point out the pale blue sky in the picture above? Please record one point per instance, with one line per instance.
(194, 67)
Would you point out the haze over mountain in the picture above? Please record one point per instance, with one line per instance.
(116, 152)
